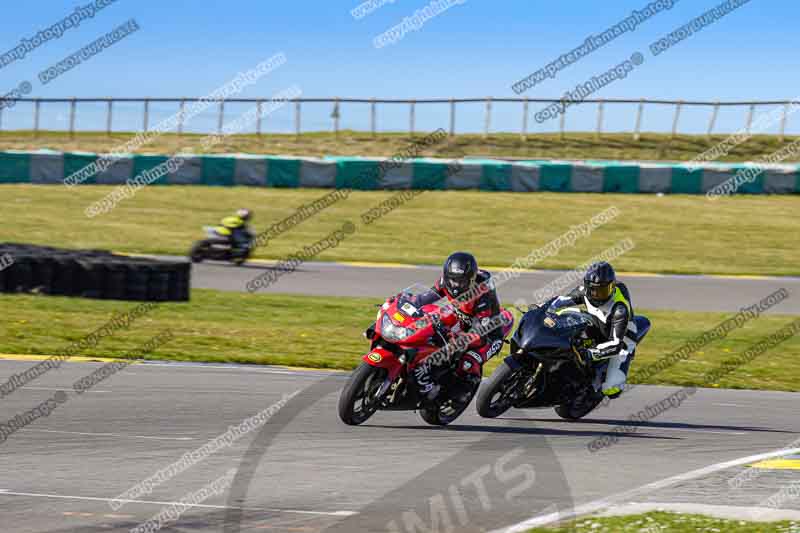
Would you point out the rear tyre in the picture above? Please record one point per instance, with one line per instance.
(576, 410)
(444, 412)
(198, 251)
(357, 401)
(498, 394)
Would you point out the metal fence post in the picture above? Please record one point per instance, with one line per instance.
(336, 114)
(221, 116)
(524, 134)
(785, 116)
(72, 106)
(36, 107)
(749, 120)
(599, 119)
(109, 116)
(181, 117)
(676, 118)
(259, 105)
(639, 113)
(411, 117)
(452, 117)
(372, 117)
(1, 117)
(713, 120)
(752, 122)
(562, 122)
(487, 118)
(297, 117)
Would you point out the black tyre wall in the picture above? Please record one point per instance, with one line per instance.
(91, 274)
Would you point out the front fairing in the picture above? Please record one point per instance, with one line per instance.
(415, 308)
(541, 331)
(532, 334)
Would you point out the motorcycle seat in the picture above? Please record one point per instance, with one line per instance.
(642, 327)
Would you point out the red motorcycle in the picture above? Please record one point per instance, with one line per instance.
(415, 327)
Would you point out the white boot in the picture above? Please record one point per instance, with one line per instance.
(615, 377)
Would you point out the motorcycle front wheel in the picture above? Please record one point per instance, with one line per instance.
(358, 400)
(498, 394)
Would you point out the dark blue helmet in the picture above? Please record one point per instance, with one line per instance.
(599, 282)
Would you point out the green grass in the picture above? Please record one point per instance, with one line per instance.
(651, 146)
(658, 522)
(326, 333)
(672, 234)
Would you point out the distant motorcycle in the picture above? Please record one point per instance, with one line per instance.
(546, 369)
(410, 328)
(219, 247)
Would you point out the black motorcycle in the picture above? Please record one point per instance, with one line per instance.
(546, 367)
(219, 248)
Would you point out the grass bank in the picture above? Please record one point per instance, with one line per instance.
(669, 522)
(672, 234)
(651, 146)
(326, 333)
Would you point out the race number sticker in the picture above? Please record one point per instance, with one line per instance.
(409, 309)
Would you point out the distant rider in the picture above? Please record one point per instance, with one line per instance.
(234, 228)
(609, 302)
(472, 293)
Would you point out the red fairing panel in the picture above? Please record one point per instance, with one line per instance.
(382, 358)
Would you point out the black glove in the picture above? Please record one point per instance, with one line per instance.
(592, 355)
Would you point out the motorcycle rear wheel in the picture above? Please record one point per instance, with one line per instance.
(357, 401)
(198, 251)
(576, 411)
(445, 412)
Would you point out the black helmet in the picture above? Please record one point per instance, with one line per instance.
(599, 283)
(244, 214)
(460, 271)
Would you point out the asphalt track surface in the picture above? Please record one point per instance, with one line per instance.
(305, 471)
(659, 292)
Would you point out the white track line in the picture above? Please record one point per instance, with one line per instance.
(624, 497)
(6, 492)
(105, 434)
(727, 512)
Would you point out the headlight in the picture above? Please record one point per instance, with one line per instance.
(390, 332)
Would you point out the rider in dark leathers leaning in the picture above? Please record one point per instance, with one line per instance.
(472, 293)
(609, 302)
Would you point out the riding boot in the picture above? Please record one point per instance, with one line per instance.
(427, 388)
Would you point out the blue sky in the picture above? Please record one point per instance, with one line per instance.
(475, 49)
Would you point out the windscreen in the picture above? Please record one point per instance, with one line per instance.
(567, 320)
(413, 298)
